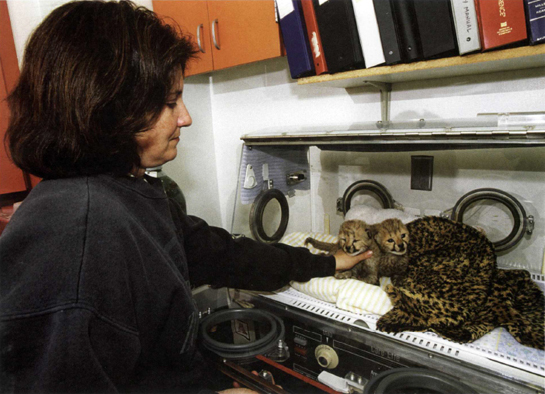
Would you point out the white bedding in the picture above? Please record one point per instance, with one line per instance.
(347, 294)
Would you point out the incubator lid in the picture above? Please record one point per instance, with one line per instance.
(483, 131)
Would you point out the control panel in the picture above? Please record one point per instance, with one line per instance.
(345, 358)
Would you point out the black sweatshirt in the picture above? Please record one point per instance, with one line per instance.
(95, 277)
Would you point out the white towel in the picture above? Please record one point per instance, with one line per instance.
(347, 294)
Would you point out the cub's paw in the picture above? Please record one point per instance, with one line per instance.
(343, 275)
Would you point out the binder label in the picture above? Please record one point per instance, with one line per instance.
(285, 7)
(315, 45)
(536, 10)
(469, 25)
(504, 29)
(501, 5)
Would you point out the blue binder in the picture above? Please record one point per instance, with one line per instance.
(535, 19)
(294, 34)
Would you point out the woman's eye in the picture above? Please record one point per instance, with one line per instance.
(171, 105)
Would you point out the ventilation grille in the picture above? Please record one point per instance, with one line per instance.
(426, 340)
(538, 278)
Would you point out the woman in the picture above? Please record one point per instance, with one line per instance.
(97, 264)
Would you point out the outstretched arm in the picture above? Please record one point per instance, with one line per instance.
(344, 261)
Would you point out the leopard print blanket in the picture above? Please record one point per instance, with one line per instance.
(453, 287)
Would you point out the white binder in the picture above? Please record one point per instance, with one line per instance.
(466, 24)
(368, 31)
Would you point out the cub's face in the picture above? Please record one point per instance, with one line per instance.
(354, 237)
(392, 236)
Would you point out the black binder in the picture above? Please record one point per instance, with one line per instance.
(407, 29)
(339, 34)
(294, 33)
(435, 28)
(388, 31)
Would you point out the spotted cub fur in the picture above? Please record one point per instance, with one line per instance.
(390, 258)
(354, 238)
(388, 240)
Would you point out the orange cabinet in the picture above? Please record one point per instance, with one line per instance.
(192, 17)
(228, 32)
(12, 179)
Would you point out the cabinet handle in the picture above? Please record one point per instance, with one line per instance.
(216, 42)
(199, 28)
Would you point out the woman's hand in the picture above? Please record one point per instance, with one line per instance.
(242, 390)
(344, 261)
(238, 390)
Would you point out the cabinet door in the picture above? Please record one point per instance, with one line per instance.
(192, 17)
(11, 178)
(245, 31)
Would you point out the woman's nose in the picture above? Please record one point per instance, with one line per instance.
(184, 119)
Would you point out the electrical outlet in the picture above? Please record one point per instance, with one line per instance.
(421, 172)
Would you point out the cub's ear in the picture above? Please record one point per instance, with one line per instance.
(372, 231)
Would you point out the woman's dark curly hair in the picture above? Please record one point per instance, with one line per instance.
(94, 74)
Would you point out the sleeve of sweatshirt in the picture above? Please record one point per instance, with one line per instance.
(216, 259)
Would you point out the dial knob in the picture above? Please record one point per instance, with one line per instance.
(326, 356)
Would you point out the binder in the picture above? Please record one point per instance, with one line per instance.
(535, 17)
(313, 33)
(369, 34)
(388, 31)
(294, 33)
(339, 34)
(407, 30)
(435, 27)
(466, 25)
(501, 23)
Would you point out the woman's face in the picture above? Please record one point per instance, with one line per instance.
(159, 144)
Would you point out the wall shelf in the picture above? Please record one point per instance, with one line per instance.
(525, 57)
(406, 140)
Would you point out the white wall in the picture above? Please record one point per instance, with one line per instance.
(194, 169)
(25, 15)
(262, 95)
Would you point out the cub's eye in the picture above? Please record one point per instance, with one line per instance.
(391, 240)
(403, 235)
